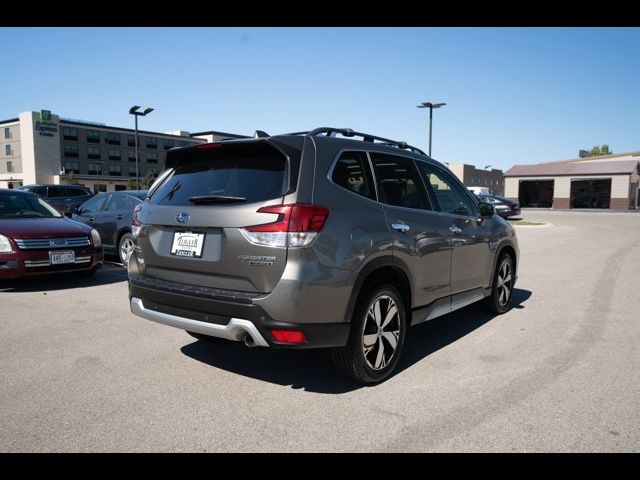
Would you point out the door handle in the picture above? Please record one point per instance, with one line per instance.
(91, 219)
(456, 230)
(118, 217)
(401, 227)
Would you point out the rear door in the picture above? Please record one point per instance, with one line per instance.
(117, 216)
(420, 236)
(91, 213)
(60, 197)
(193, 222)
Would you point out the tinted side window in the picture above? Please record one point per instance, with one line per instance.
(399, 182)
(447, 192)
(352, 172)
(76, 192)
(55, 192)
(42, 191)
(95, 204)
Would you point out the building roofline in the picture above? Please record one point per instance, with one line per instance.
(10, 120)
(635, 153)
(91, 126)
(214, 132)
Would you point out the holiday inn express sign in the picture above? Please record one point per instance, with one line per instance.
(45, 124)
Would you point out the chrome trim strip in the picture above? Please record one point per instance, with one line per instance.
(45, 243)
(234, 330)
(46, 263)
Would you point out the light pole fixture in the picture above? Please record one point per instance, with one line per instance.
(431, 106)
(136, 113)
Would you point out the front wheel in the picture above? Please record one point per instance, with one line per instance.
(501, 296)
(376, 339)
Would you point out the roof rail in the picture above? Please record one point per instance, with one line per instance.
(366, 137)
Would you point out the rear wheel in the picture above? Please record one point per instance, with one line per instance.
(501, 296)
(125, 247)
(376, 339)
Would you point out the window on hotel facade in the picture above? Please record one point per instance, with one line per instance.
(9, 166)
(152, 142)
(132, 171)
(7, 132)
(131, 140)
(70, 133)
(153, 171)
(168, 144)
(71, 167)
(71, 151)
(115, 170)
(113, 138)
(132, 155)
(93, 153)
(7, 150)
(114, 154)
(152, 157)
(95, 169)
(93, 136)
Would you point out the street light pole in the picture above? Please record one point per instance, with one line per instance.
(431, 106)
(134, 111)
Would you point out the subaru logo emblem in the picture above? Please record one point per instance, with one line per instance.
(57, 243)
(182, 217)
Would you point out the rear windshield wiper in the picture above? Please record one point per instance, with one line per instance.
(212, 199)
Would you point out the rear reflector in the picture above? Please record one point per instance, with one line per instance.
(288, 336)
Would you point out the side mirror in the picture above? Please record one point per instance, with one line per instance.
(486, 210)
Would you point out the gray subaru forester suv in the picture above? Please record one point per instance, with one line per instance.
(327, 238)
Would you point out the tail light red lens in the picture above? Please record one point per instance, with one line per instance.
(207, 146)
(135, 221)
(288, 336)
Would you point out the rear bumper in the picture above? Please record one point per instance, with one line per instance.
(223, 314)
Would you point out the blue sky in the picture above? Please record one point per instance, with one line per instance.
(516, 95)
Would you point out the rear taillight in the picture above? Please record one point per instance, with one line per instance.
(297, 225)
(136, 221)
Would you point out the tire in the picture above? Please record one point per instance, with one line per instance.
(125, 248)
(204, 338)
(361, 359)
(501, 298)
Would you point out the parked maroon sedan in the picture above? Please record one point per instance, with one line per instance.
(35, 239)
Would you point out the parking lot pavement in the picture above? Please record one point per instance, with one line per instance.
(559, 372)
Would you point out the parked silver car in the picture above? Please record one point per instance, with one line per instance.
(328, 238)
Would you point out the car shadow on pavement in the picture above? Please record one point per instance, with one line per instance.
(109, 273)
(312, 370)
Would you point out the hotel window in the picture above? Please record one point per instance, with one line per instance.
(153, 171)
(131, 140)
(93, 153)
(168, 144)
(71, 167)
(93, 136)
(70, 133)
(95, 169)
(115, 170)
(7, 132)
(113, 138)
(7, 150)
(114, 154)
(9, 166)
(152, 157)
(71, 151)
(132, 171)
(132, 155)
(152, 142)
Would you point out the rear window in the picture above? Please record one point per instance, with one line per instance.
(255, 172)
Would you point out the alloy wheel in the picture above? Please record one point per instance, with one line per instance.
(126, 249)
(381, 332)
(504, 283)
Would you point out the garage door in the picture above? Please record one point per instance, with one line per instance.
(536, 193)
(594, 193)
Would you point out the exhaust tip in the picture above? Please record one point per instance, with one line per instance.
(248, 341)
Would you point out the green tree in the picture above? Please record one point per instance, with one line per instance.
(598, 150)
(148, 180)
(70, 179)
(131, 184)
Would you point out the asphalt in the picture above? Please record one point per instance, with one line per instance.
(559, 372)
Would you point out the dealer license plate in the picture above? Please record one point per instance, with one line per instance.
(187, 244)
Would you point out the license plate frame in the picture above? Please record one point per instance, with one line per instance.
(188, 244)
